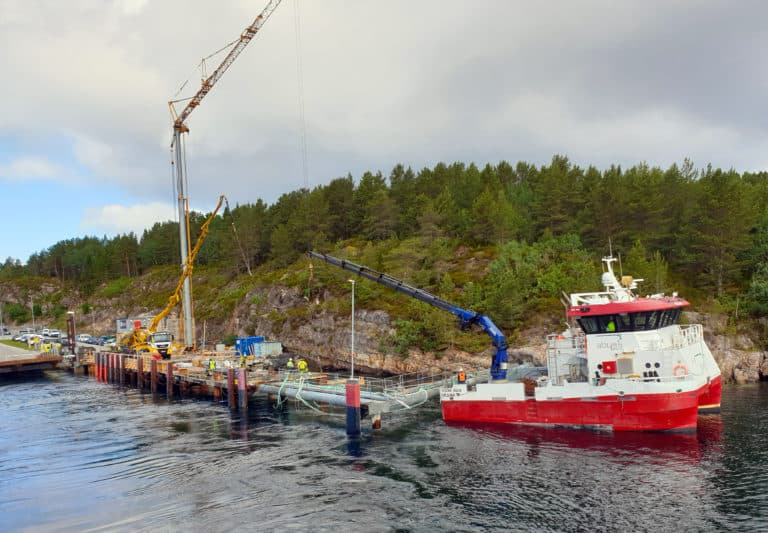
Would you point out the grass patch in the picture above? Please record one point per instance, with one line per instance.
(116, 287)
(15, 344)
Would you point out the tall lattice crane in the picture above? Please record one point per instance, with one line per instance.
(179, 127)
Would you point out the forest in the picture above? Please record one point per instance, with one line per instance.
(545, 228)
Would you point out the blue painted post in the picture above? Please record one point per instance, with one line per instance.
(242, 388)
(353, 407)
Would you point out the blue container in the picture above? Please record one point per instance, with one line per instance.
(248, 345)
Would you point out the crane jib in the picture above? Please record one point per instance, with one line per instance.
(499, 364)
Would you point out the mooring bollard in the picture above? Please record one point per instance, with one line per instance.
(169, 379)
(242, 388)
(140, 372)
(353, 407)
(231, 388)
(153, 375)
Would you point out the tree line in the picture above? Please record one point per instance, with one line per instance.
(709, 226)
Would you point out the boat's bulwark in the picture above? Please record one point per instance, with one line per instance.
(669, 411)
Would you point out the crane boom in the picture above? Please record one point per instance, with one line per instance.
(210, 81)
(180, 128)
(466, 318)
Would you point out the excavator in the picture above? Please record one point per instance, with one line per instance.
(143, 340)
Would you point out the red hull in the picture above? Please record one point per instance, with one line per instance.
(642, 412)
(709, 399)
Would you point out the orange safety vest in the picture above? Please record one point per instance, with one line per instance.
(462, 377)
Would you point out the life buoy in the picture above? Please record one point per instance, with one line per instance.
(680, 370)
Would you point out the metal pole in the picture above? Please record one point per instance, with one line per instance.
(352, 375)
(32, 306)
(186, 294)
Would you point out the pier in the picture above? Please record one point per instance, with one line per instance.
(221, 378)
(18, 361)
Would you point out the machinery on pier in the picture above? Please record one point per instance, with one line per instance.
(466, 318)
(149, 339)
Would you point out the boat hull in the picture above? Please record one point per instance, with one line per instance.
(709, 398)
(638, 412)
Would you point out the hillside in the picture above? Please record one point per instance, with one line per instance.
(309, 309)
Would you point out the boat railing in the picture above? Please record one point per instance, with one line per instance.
(590, 298)
(689, 335)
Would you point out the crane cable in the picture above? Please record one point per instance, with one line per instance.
(300, 81)
(237, 238)
(302, 129)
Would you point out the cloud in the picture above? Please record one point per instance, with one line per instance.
(28, 169)
(402, 82)
(118, 219)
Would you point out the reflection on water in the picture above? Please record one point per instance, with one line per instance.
(78, 455)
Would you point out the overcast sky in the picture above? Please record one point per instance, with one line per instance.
(85, 128)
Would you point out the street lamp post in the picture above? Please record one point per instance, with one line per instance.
(352, 376)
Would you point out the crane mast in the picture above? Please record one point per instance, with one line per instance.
(466, 317)
(179, 128)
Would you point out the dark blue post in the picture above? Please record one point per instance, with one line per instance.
(353, 407)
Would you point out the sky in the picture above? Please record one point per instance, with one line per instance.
(85, 127)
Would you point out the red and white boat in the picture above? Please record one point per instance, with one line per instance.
(626, 365)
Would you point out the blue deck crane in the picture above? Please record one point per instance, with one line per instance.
(466, 318)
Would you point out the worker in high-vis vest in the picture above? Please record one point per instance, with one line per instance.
(211, 366)
(461, 377)
(303, 366)
(289, 365)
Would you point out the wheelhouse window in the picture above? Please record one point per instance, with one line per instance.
(643, 321)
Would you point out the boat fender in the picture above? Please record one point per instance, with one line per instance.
(680, 370)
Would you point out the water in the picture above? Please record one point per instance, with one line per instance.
(77, 455)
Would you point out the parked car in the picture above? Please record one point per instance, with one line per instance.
(83, 337)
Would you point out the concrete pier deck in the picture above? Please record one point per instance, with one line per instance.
(15, 360)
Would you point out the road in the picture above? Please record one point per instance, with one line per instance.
(10, 353)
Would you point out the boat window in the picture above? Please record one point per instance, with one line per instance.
(643, 321)
(589, 324)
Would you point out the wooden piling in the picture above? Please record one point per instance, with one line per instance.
(231, 388)
(153, 375)
(169, 379)
(122, 369)
(140, 372)
(242, 388)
